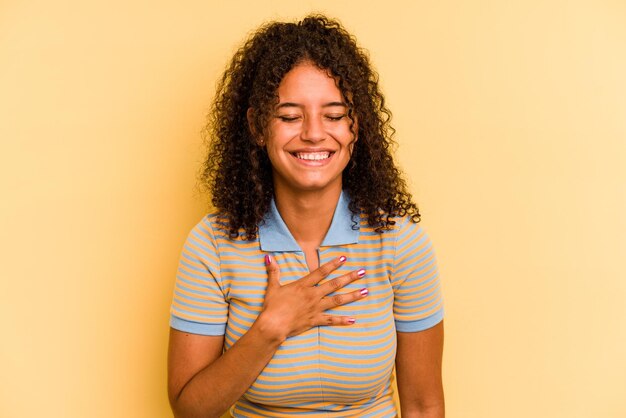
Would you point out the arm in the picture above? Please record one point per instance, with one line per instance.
(204, 382)
(418, 370)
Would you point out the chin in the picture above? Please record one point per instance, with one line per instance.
(314, 186)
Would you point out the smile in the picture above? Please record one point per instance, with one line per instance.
(313, 156)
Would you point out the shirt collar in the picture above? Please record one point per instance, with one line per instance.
(275, 236)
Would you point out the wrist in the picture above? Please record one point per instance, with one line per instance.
(270, 329)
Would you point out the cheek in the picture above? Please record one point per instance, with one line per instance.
(273, 156)
(278, 158)
(348, 139)
(284, 131)
(342, 133)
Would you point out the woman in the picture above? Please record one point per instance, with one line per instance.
(312, 279)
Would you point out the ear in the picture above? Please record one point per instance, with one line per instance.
(250, 116)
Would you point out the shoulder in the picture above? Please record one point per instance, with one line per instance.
(204, 227)
(216, 227)
(215, 222)
(412, 245)
(206, 233)
(410, 236)
(405, 225)
(402, 225)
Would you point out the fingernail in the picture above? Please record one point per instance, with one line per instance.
(361, 273)
(268, 259)
(351, 321)
(342, 259)
(364, 292)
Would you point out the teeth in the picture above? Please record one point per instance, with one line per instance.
(315, 156)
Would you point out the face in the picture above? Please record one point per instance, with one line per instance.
(309, 141)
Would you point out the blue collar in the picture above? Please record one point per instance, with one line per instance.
(275, 236)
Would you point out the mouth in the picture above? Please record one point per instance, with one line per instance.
(313, 156)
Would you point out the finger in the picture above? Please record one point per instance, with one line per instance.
(273, 272)
(322, 272)
(333, 301)
(334, 320)
(339, 282)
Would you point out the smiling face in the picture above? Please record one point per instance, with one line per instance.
(309, 139)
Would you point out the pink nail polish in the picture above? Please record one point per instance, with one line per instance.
(361, 273)
(342, 259)
(351, 321)
(268, 259)
(364, 292)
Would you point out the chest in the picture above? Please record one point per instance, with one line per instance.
(343, 364)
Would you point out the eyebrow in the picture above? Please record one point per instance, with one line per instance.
(291, 104)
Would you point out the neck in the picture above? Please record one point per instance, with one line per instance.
(308, 215)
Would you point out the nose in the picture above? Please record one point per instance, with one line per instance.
(313, 129)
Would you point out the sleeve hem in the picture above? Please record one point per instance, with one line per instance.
(196, 327)
(421, 324)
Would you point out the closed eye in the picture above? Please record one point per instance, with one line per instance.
(286, 118)
(335, 118)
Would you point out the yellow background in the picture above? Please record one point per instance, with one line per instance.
(511, 119)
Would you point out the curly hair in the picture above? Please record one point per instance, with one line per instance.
(238, 172)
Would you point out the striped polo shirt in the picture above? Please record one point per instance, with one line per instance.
(327, 371)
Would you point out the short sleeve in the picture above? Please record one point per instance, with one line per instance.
(418, 303)
(199, 305)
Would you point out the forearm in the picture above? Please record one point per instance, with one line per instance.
(216, 387)
(433, 411)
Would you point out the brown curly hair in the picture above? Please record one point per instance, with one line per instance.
(237, 171)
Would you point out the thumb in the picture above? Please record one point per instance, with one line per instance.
(273, 272)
